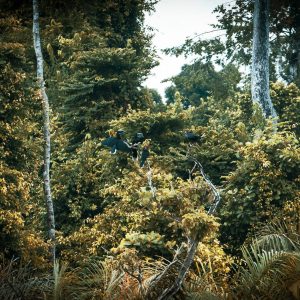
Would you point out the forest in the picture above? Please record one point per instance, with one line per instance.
(109, 192)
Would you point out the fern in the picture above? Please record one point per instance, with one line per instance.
(98, 281)
(18, 281)
(267, 274)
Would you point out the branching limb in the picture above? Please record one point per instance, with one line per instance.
(193, 244)
(217, 197)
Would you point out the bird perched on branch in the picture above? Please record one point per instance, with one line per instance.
(136, 141)
(191, 137)
(116, 143)
(138, 138)
(145, 152)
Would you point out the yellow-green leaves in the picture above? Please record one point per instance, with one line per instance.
(199, 223)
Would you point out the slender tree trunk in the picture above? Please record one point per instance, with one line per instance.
(260, 58)
(41, 83)
(192, 248)
(193, 241)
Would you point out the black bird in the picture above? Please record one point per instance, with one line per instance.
(109, 142)
(191, 137)
(137, 139)
(116, 142)
(122, 146)
(120, 133)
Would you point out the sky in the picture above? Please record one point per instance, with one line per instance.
(173, 21)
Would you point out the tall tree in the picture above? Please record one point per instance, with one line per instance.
(96, 65)
(260, 58)
(284, 26)
(200, 80)
(47, 151)
(235, 21)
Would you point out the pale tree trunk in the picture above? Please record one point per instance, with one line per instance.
(46, 171)
(260, 58)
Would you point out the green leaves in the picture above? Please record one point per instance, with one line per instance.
(199, 80)
(260, 185)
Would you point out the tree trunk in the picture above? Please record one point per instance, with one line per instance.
(260, 58)
(193, 242)
(41, 84)
(169, 292)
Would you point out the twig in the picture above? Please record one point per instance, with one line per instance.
(138, 278)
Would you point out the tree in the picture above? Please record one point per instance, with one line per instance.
(263, 181)
(21, 212)
(153, 96)
(47, 150)
(199, 80)
(260, 58)
(96, 65)
(235, 22)
(271, 263)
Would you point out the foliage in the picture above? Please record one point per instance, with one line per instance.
(233, 36)
(96, 65)
(268, 273)
(287, 102)
(200, 80)
(134, 217)
(124, 230)
(19, 281)
(100, 280)
(20, 139)
(271, 261)
(265, 178)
